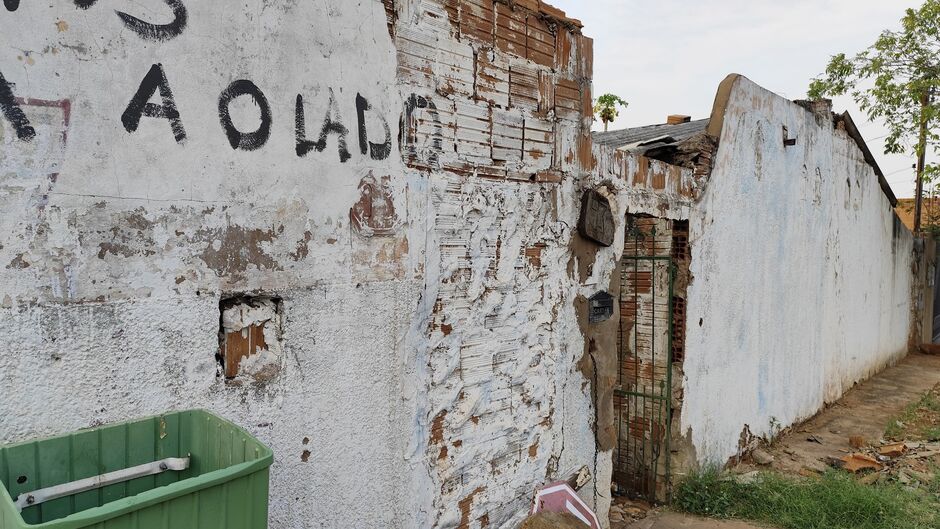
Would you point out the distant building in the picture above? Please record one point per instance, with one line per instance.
(930, 214)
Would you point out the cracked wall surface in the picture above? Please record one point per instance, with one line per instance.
(399, 176)
(404, 179)
(802, 282)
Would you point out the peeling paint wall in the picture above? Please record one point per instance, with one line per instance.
(802, 275)
(633, 185)
(499, 113)
(800, 281)
(399, 176)
(404, 179)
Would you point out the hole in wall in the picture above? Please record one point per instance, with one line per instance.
(21, 480)
(250, 337)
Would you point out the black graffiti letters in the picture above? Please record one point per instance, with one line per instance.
(407, 122)
(147, 30)
(372, 125)
(139, 105)
(333, 124)
(13, 113)
(246, 141)
(378, 151)
(304, 146)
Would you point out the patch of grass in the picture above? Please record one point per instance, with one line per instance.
(931, 402)
(932, 434)
(834, 501)
(934, 486)
(919, 421)
(894, 430)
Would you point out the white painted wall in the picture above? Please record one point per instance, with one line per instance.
(112, 308)
(116, 248)
(802, 275)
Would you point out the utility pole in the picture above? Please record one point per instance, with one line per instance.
(921, 161)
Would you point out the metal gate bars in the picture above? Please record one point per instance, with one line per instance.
(643, 398)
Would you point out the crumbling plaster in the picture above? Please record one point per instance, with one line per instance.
(436, 367)
(117, 245)
(428, 371)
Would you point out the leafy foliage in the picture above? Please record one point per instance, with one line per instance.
(896, 80)
(892, 78)
(606, 108)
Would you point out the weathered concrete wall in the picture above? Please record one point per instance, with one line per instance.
(404, 180)
(118, 244)
(399, 183)
(802, 279)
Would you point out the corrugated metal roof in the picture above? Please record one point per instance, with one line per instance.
(633, 136)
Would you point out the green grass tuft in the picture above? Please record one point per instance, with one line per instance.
(931, 402)
(834, 501)
(894, 430)
(932, 434)
(915, 420)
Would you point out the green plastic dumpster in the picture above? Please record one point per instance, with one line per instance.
(185, 470)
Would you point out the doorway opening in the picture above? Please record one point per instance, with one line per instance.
(654, 274)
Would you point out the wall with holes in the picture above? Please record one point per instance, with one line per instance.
(500, 117)
(801, 275)
(338, 224)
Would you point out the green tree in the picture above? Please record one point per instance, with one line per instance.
(896, 80)
(606, 108)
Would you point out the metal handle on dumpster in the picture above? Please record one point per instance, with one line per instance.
(28, 499)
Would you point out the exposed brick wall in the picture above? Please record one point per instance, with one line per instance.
(499, 116)
(681, 255)
(652, 310)
(501, 89)
(390, 12)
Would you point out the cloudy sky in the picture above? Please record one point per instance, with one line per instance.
(668, 56)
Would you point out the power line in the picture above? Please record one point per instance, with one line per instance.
(899, 171)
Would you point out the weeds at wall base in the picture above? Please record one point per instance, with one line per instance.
(832, 501)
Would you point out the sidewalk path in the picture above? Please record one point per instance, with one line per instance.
(863, 412)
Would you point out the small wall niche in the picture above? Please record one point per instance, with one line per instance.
(250, 337)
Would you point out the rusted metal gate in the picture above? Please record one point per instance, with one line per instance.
(643, 399)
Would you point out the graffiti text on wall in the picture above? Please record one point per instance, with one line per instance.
(146, 30)
(156, 81)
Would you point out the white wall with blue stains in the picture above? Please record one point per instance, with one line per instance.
(802, 275)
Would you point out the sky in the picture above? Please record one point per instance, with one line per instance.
(668, 56)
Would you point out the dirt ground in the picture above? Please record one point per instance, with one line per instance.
(856, 425)
(850, 433)
(670, 520)
(640, 515)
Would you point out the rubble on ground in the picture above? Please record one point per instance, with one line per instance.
(552, 520)
(762, 457)
(625, 511)
(910, 463)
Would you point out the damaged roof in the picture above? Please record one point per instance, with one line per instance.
(654, 140)
(642, 138)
